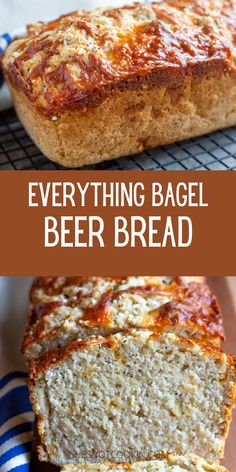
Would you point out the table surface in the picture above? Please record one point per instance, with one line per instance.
(225, 290)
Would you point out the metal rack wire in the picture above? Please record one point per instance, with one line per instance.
(216, 151)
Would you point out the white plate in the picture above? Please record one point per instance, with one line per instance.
(13, 314)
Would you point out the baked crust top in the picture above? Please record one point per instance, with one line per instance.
(114, 342)
(117, 303)
(80, 58)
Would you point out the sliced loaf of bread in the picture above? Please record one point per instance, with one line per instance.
(163, 462)
(65, 308)
(133, 392)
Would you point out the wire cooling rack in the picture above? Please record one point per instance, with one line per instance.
(216, 151)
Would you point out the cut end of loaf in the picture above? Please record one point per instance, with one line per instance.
(66, 308)
(132, 391)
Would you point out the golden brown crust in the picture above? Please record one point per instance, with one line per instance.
(183, 304)
(57, 356)
(80, 59)
(130, 121)
(139, 76)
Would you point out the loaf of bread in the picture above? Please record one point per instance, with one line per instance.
(135, 392)
(162, 463)
(111, 82)
(65, 308)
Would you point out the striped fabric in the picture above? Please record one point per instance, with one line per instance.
(16, 423)
(5, 40)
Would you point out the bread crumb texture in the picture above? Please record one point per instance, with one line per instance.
(132, 393)
(65, 308)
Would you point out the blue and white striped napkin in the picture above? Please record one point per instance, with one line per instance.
(16, 416)
(5, 40)
(5, 99)
(16, 423)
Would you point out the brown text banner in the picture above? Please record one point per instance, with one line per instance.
(109, 223)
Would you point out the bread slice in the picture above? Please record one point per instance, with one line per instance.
(65, 308)
(136, 393)
(163, 462)
(111, 82)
